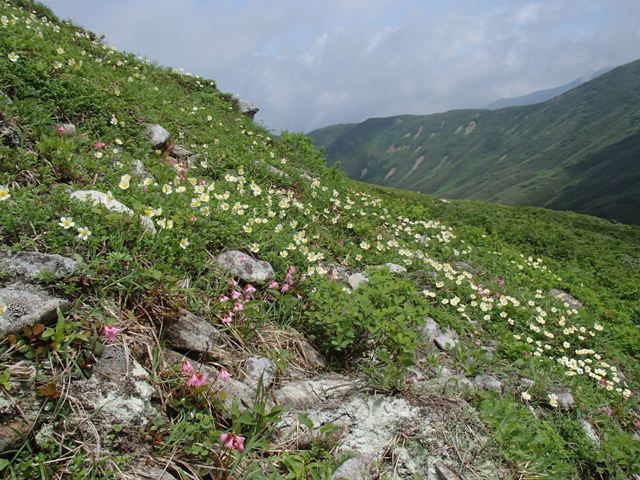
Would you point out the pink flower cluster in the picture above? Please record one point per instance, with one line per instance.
(110, 333)
(288, 283)
(234, 300)
(233, 441)
(194, 379)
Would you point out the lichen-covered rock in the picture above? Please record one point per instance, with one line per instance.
(566, 299)
(256, 368)
(245, 267)
(487, 382)
(27, 306)
(158, 136)
(31, 266)
(590, 432)
(565, 400)
(118, 392)
(308, 393)
(97, 197)
(355, 468)
(191, 333)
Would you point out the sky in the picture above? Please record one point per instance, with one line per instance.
(313, 63)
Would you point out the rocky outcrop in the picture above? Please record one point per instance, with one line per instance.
(247, 109)
(31, 266)
(27, 306)
(245, 267)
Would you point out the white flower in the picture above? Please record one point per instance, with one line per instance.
(125, 181)
(184, 243)
(3, 308)
(84, 233)
(66, 223)
(13, 57)
(553, 400)
(525, 396)
(4, 193)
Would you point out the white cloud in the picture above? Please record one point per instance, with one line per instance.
(309, 64)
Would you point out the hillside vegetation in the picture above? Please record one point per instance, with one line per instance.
(208, 302)
(577, 151)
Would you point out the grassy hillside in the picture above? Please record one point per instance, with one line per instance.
(548, 154)
(480, 269)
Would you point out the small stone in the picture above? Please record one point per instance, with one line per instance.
(446, 342)
(464, 266)
(430, 330)
(245, 267)
(158, 136)
(139, 170)
(13, 433)
(338, 272)
(590, 431)
(256, 368)
(487, 382)
(28, 306)
(313, 358)
(180, 152)
(526, 382)
(31, 266)
(445, 473)
(565, 298)
(97, 197)
(247, 109)
(192, 333)
(355, 468)
(357, 279)
(66, 129)
(565, 400)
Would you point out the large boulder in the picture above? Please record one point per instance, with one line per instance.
(245, 267)
(27, 306)
(32, 266)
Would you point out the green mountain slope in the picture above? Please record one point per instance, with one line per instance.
(131, 347)
(579, 145)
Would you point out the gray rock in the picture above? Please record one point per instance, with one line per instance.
(590, 432)
(430, 330)
(30, 266)
(247, 109)
(357, 279)
(276, 171)
(526, 382)
(158, 136)
(565, 298)
(309, 393)
(257, 367)
(464, 266)
(192, 333)
(244, 266)
(139, 170)
(392, 267)
(27, 306)
(180, 152)
(313, 358)
(445, 473)
(144, 472)
(338, 272)
(565, 399)
(66, 129)
(118, 392)
(446, 341)
(487, 382)
(355, 468)
(97, 197)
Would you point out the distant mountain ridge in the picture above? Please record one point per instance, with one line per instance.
(579, 150)
(540, 96)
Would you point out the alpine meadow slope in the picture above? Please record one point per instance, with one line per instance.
(185, 296)
(577, 151)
